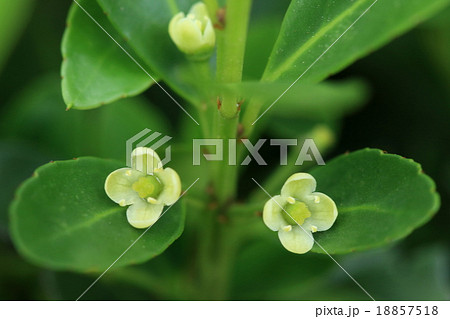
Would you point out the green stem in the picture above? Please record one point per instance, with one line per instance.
(226, 177)
(217, 239)
(231, 51)
(201, 72)
(230, 60)
(205, 252)
(217, 247)
(249, 117)
(227, 245)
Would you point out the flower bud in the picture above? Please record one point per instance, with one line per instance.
(193, 34)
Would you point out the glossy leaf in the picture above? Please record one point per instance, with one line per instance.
(266, 19)
(62, 219)
(310, 27)
(262, 34)
(380, 198)
(144, 23)
(95, 70)
(324, 100)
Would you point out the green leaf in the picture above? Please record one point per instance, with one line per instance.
(380, 198)
(62, 219)
(144, 23)
(266, 19)
(326, 100)
(262, 34)
(310, 27)
(95, 70)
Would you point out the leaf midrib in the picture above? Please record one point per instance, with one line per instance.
(274, 75)
(82, 225)
(350, 209)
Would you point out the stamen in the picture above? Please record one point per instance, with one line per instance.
(291, 200)
(123, 202)
(287, 228)
(128, 173)
(316, 199)
(152, 200)
(313, 229)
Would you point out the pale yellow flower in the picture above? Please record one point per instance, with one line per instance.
(146, 187)
(299, 212)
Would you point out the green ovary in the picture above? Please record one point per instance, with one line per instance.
(148, 186)
(296, 213)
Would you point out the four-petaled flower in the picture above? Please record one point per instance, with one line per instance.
(193, 34)
(146, 187)
(298, 212)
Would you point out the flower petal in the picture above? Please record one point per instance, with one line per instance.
(323, 211)
(173, 25)
(296, 240)
(171, 186)
(209, 35)
(299, 185)
(199, 10)
(272, 213)
(142, 214)
(188, 35)
(118, 186)
(145, 160)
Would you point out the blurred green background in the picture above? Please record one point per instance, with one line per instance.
(408, 114)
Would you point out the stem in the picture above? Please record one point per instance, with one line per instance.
(226, 177)
(227, 245)
(205, 254)
(217, 239)
(231, 51)
(201, 72)
(250, 115)
(230, 60)
(217, 247)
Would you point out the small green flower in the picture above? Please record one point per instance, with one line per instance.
(146, 187)
(298, 212)
(193, 34)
